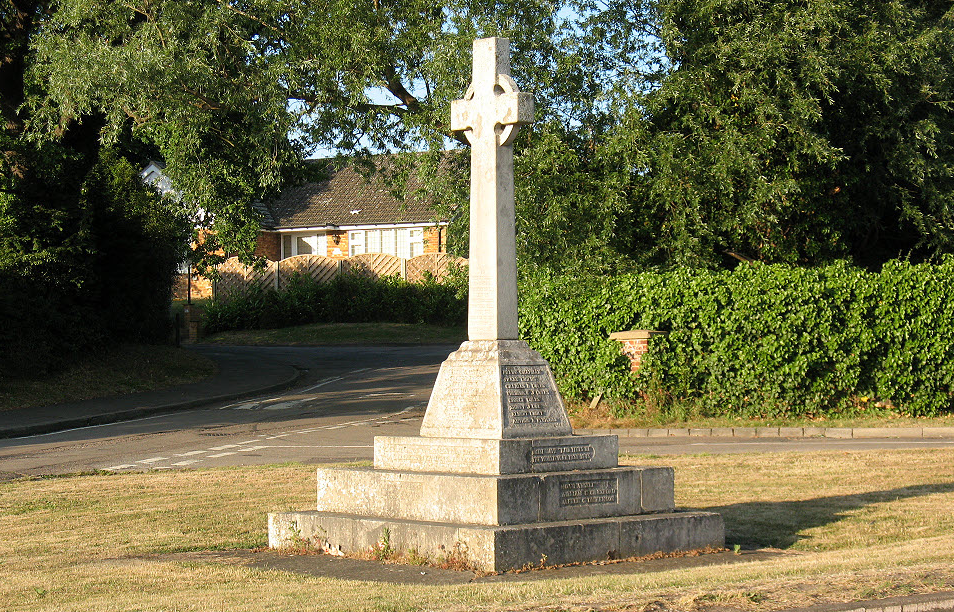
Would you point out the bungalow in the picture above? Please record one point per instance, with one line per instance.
(347, 215)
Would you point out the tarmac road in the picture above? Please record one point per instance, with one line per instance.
(340, 398)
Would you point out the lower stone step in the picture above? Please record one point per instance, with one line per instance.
(492, 499)
(500, 548)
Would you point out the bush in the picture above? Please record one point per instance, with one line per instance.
(97, 272)
(348, 298)
(758, 341)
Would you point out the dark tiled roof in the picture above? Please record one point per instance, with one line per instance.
(347, 198)
(268, 220)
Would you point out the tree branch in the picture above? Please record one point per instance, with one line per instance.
(394, 85)
(250, 17)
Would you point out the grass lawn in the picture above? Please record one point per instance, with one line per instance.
(125, 369)
(343, 334)
(847, 526)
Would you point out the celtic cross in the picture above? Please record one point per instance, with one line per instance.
(491, 113)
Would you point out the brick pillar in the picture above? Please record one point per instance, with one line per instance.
(635, 344)
(193, 321)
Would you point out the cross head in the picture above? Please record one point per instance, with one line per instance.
(493, 106)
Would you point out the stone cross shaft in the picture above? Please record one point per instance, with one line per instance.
(490, 115)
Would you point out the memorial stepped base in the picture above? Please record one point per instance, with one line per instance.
(561, 499)
(497, 548)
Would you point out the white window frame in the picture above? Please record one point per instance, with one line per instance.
(317, 240)
(401, 241)
(356, 242)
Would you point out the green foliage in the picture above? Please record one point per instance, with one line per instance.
(797, 132)
(99, 271)
(347, 298)
(758, 341)
(233, 96)
(668, 132)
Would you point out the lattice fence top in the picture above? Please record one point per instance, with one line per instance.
(232, 278)
(320, 268)
(437, 264)
(376, 265)
(236, 277)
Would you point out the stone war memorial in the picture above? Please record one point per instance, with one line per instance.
(496, 475)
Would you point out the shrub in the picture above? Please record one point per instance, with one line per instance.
(758, 341)
(348, 298)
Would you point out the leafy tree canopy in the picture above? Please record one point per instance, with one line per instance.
(797, 132)
(668, 132)
(233, 93)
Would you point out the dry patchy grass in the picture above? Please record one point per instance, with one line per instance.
(851, 525)
(124, 369)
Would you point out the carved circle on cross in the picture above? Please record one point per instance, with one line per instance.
(505, 132)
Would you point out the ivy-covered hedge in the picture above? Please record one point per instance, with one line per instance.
(348, 298)
(758, 341)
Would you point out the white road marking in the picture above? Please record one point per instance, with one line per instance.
(242, 447)
(328, 381)
(256, 402)
(152, 460)
(62, 431)
(283, 405)
(323, 446)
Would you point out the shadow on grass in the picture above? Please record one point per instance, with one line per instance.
(781, 524)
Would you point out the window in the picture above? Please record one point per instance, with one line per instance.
(416, 242)
(387, 242)
(372, 241)
(403, 242)
(355, 243)
(304, 244)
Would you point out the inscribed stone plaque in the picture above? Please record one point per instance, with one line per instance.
(495, 389)
(604, 490)
(563, 453)
(531, 398)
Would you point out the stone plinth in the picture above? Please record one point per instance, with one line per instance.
(482, 499)
(495, 389)
(483, 456)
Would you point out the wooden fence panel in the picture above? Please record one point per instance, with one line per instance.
(322, 269)
(265, 279)
(438, 264)
(231, 278)
(376, 265)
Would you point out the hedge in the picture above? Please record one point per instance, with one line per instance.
(757, 341)
(348, 298)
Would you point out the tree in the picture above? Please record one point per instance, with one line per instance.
(87, 252)
(234, 93)
(797, 132)
(668, 132)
